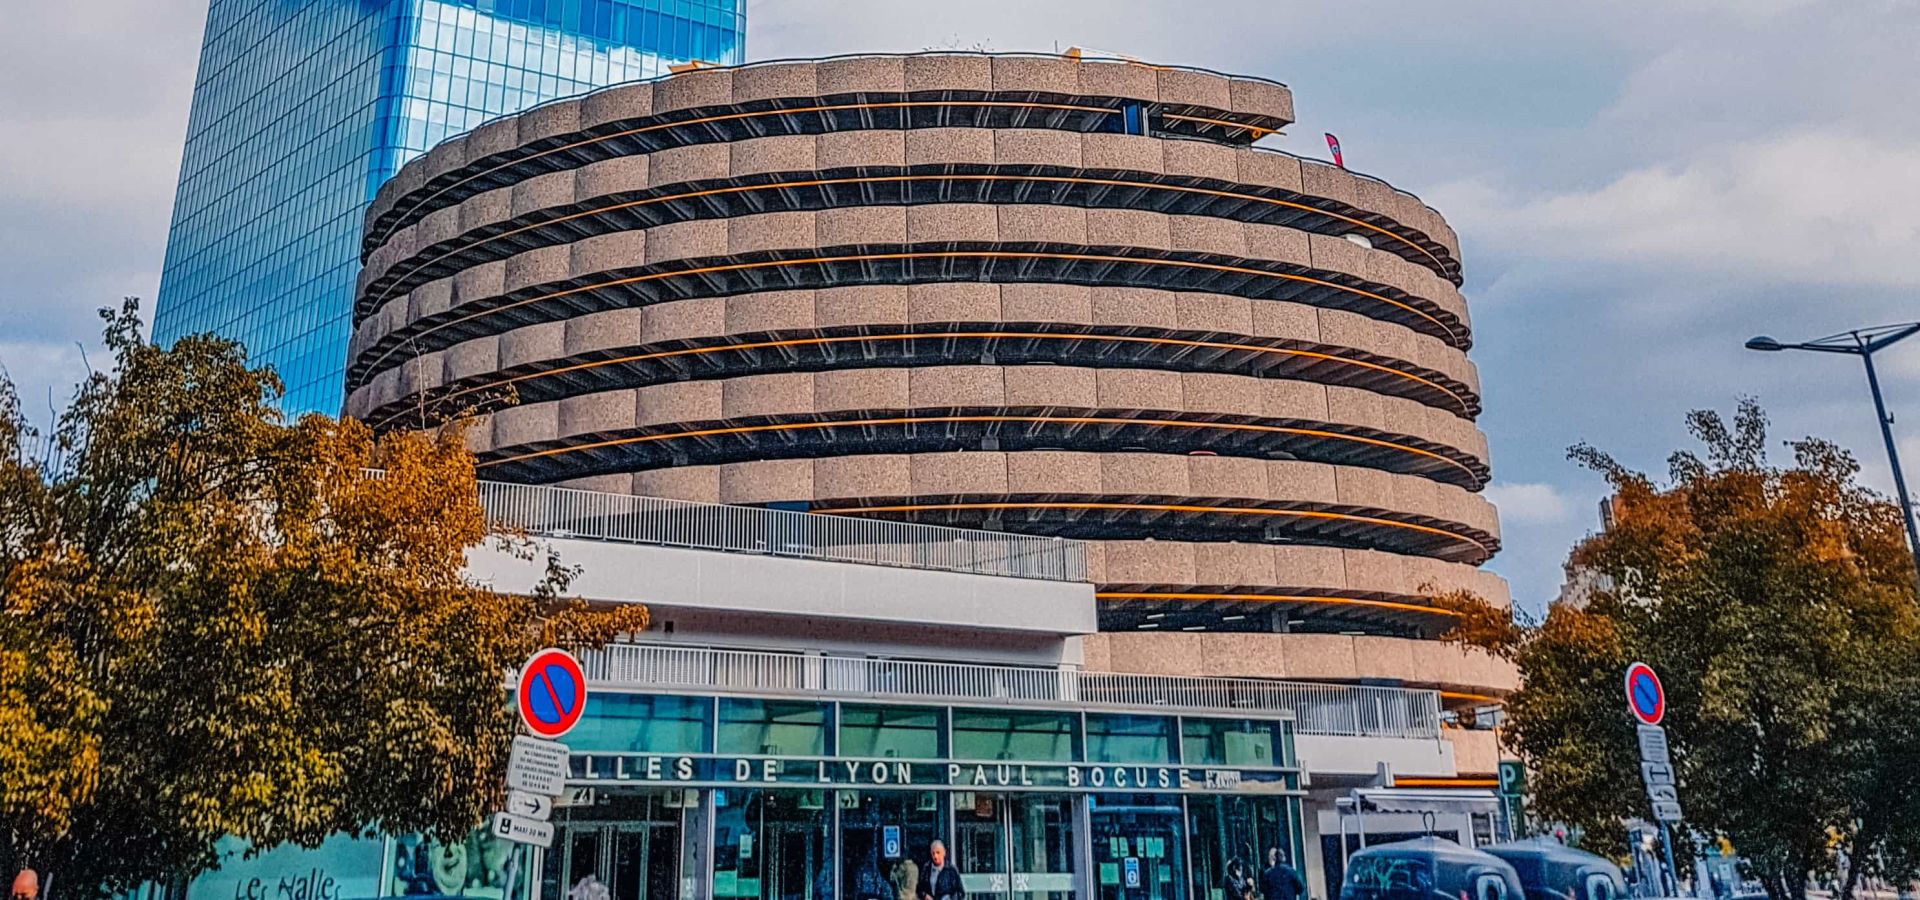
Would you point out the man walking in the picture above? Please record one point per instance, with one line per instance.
(940, 881)
(1281, 881)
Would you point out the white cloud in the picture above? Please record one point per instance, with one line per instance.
(1816, 207)
(1528, 502)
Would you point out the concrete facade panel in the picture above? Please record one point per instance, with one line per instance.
(607, 252)
(1139, 389)
(1182, 86)
(952, 223)
(1030, 302)
(770, 231)
(766, 395)
(688, 90)
(1231, 395)
(1036, 147)
(1119, 79)
(697, 239)
(698, 484)
(1125, 152)
(784, 153)
(1052, 472)
(953, 302)
(863, 476)
(467, 359)
(1042, 224)
(614, 104)
(958, 473)
(608, 330)
(520, 425)
(539, 192)
(860, 389)
(1294, 321)
(601, 412)
(857, 225)
(940, 386)
(769, 311)
(1199, 159)
(766, 481)
(697, 162)
(939, 146)
(846, 149)
(679, 319)
(1040, 75)
(949, 72)
(534, 343)
(861, 75)
(611, 176)
(541, 266)
(682, 401)
(1049, 386)
(1128, 474)
(769, 82)
(864, 305)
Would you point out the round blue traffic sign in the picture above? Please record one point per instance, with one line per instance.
(552, 693)
(1645, 696)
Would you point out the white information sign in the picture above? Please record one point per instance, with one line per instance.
(523, 830)
(538, 767)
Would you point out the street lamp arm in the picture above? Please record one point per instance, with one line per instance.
(1864, 342)
(1876, 341)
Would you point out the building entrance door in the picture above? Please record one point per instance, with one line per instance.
(635, 861)
(1015, 846)
(630, 846)
(883, 841)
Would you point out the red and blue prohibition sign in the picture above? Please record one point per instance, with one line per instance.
(552, 693)
(1645, 697)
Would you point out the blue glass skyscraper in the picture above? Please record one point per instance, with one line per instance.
(303, 107)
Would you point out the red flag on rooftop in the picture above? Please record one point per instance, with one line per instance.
(1333, 143)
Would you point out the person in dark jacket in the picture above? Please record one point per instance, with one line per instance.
(1281, 881)
(1236, 884)
(939, 881)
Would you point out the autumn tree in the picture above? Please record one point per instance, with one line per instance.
(217, 623)
(1778, 605)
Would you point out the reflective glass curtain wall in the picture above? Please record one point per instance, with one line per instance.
(303, 107)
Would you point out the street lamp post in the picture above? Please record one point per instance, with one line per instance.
(1864, 343)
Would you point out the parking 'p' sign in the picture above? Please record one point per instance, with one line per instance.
(1645, 697)
(552, 693)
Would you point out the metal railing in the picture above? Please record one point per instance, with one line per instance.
(1318, 709)
(594, 515)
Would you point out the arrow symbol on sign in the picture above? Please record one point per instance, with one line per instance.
(531, 806)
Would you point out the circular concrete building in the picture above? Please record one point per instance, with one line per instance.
(1027, 293)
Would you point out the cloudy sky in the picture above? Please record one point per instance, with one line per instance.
(1640, 185)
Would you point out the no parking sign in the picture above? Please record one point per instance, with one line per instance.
(552, 693)
(1646, 698)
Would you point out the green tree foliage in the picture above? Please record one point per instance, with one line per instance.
(217, 623)
(1778, 605)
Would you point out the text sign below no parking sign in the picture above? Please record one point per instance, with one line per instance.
(552, 693)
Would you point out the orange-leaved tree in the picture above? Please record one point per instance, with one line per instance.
(1777, 603)
(218, 623)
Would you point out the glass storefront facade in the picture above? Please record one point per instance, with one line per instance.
(729, 798)
(301, 110)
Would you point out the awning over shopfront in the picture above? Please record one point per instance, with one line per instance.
(1414, 800)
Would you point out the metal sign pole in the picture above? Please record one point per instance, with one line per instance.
(1673, 874)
